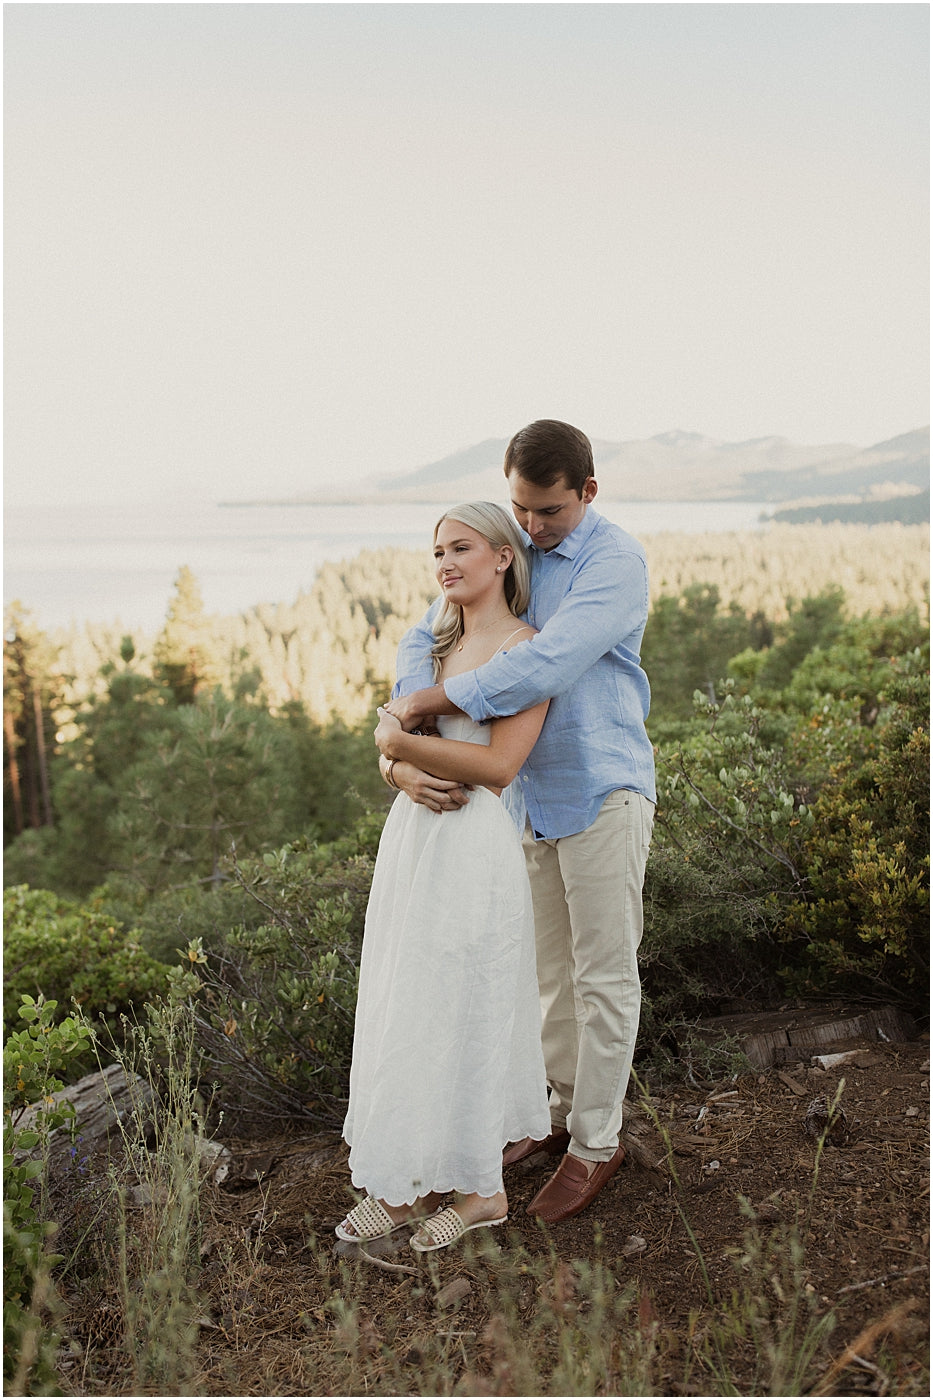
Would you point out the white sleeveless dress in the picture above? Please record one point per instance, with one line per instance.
(447, 1063)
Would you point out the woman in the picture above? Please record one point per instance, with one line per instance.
(447, 1064)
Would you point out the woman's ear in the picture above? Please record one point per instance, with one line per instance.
(506, 555)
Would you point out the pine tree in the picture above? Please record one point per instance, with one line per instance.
(32, 696)
(185, 650)
(218, 776)
(88, 778)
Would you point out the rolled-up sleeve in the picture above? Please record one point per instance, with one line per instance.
(414, 668)
(604, 610)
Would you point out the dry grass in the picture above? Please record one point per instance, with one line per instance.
(815, 1288)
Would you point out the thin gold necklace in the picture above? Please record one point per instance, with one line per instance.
(476, 631)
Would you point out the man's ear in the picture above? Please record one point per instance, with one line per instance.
(589, 490)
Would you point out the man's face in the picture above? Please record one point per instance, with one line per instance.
(548, 513)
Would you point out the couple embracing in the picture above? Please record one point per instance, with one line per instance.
(499, 991)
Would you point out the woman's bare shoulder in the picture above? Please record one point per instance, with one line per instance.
(521, 633)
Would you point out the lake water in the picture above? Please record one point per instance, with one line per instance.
(102, 562)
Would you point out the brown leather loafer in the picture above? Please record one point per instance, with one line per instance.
(570, 1190)
(553, 1145)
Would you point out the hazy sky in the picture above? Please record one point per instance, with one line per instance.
(254, 248)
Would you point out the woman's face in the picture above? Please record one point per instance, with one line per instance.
(465, 563)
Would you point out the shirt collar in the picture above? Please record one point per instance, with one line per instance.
(571, 545)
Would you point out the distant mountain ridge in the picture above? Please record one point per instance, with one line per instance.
(685, 466)
(678, 466)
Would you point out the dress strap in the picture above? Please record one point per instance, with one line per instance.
(511, 635)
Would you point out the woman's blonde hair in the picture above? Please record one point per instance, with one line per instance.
(498, 528)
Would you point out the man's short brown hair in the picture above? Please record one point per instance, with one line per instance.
(547, 450)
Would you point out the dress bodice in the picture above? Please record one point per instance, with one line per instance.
(460, 726)
(463, 728)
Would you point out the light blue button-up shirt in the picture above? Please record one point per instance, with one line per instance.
(589, 601)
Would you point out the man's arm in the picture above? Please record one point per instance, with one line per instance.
(605, 608)
(413, 666)
(414, 695)
(411, 709)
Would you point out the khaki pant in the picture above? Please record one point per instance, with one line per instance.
(586, 891)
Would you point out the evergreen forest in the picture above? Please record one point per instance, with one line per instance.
(192, 817)
(150, 781)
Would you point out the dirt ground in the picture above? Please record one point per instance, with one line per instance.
(868, 1232)
(271, 1270)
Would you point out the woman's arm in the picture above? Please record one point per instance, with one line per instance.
(440, 794)
(490, 765)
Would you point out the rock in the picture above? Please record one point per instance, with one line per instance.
(211, 1151)
(145, 1193)
(255, 1168)
(635, 1244)
(216, 1158)
(385, 1248)
(453, 1292)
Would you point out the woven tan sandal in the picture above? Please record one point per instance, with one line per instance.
(444, 1229)
(371, 1221)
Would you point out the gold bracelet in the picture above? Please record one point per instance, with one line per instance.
(388, 774)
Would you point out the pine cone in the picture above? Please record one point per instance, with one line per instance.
(821, 1121)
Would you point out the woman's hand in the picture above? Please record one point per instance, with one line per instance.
(387, 727)
(438, 794)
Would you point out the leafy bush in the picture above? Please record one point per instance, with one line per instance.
(791, 847)
(31, 1059)
(63, 950)
(815, 622)
(688, 642)
(864, 921)
(167, 921)
(276, 1013)
(726, 860)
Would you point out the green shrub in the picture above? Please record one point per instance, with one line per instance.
(726, 860)
(31, 1059)
(275, 1019)
(167, 921)
(63, 950)
(791, 849)
(863, 923)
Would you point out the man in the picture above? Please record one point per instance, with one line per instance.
(588, 787)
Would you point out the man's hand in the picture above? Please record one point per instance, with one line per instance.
(412, 710)
(440, 794)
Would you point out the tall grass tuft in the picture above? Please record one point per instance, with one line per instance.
(151, 1252)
